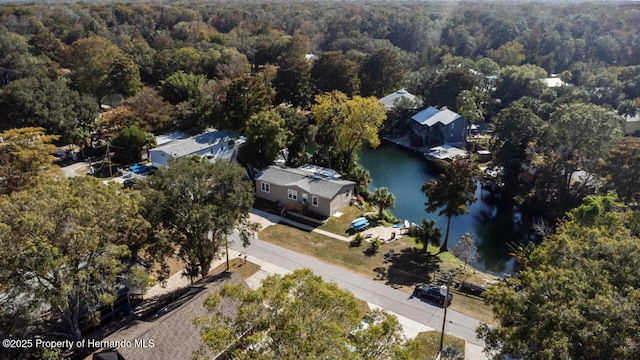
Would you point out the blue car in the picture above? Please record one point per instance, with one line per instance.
(139, 169)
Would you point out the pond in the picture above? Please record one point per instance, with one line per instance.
(493, 227)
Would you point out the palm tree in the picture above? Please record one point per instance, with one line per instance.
(452, 193)
(522, 254)
(452, 352)
(427, 232)
(149, 143)
(360, 176)
(384, 199)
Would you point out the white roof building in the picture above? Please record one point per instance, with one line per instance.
(212, 145)
(431, 116)
(554, 82)
(390, 100)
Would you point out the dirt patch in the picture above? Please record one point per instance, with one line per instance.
(82, 171)
(244, 268)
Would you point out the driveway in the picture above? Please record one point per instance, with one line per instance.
(458, 325)
(70, 171)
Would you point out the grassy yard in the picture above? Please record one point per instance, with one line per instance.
(429, 344)
(407, 266)
(340, 225)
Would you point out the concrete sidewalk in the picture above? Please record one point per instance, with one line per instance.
(410, 327)
(266, 219)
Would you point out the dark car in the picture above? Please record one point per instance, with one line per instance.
(473, 289)
(431, 293)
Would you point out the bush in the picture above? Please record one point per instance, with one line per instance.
(357, 240)
(365, 193)
(388, 217)
(373, 247)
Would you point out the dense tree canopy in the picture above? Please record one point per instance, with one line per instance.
(334, 71)
(355, 122)
(381, 73)
(128, 144)
(197, 204)
(299, 316)
(515, 82)
(62, 245)
(266, 137)
(577, 298)
(293, 81)
(100, 68)
(247, 96)
(622, 167)
(517, 128)
(180, 87)
(24, 153)
(46, 103)
(578, 136)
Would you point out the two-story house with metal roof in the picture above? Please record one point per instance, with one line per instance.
(437, 127)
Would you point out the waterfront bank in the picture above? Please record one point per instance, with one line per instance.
(404, 172)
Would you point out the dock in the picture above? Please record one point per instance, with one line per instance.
(434, 154)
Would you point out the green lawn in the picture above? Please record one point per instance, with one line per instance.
(429, 344)
(340, 225)
(407, 267)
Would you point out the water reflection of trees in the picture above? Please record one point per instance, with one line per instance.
(495, 228)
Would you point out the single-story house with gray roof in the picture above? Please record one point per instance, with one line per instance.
(170, 333)
(311, 189)
(437, 127)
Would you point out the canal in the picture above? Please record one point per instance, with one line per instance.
(493, 227)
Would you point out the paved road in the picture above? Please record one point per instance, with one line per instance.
(459, 325)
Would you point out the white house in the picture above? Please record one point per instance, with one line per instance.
(211, 145)
(392, 99)
(553, 82)
(631, 125)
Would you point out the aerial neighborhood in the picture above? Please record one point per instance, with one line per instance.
(319, 179)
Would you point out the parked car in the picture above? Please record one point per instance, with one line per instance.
(432, 294)
(473, 289)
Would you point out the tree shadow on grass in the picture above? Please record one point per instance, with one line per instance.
(409, 267)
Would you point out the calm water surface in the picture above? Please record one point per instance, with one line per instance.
(403, 173)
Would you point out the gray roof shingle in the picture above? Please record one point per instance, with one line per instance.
(314, 184)
(174, 334)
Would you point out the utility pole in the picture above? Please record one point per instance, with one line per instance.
(109, 158)
(226, 244)
(451, 275)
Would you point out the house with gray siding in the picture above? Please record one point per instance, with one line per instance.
(437, 127)
(312, 190)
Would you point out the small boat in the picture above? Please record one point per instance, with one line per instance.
(360, 223)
